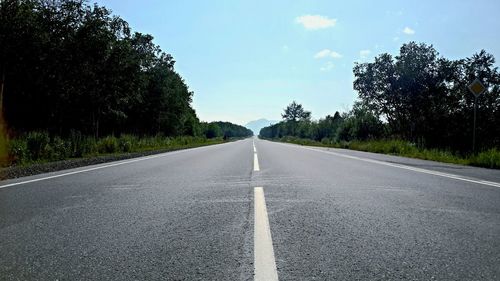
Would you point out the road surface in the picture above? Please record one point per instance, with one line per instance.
(253, 209)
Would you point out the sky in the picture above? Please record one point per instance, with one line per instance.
(247, 60)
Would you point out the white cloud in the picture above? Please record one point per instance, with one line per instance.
(408, 31)
(363, 54)
(314, 22)
(327, 53)
(395, 39)
(329, 66)
(285, 48)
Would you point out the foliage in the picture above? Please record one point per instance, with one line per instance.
(295, 112)
(72, 72)
(108, 144)
(358, 124)
(225, 130)
(37, 144)
(489, 159)
(213, 131)
(70, 65)
(39, 147)
(424, 97)
(417, 97)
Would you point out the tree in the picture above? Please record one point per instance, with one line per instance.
(417, 96)
(213, 131)
(68, 66)
(328, 127)
(295, 112)
(360, 124)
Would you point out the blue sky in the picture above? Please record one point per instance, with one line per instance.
(247, 60)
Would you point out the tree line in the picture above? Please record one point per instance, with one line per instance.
(67, 65)
(417, 96)
(225, 130)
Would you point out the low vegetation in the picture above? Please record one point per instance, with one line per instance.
(39, 147)
(487, 159)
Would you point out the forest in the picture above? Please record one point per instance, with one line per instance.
(69, 68)
(417, 97)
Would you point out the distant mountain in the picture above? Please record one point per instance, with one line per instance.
(256, 125)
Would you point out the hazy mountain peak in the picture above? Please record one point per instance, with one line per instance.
(256, 125)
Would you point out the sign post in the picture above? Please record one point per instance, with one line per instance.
(476, 88)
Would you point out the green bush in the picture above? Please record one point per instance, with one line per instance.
(396, 147)
(18, 151)
(37, 144)
(78, 144)
(108, 144)
(488, 159)
(126, 143)
(58, 149)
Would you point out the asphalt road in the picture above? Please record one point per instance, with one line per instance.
(225, 212)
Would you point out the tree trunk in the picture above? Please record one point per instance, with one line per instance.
(159, 123)
(2, 83)
(97, 127)
(95, 124)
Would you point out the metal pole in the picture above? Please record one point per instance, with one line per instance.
(474, 132)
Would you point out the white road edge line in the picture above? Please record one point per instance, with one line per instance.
(264, 262)
(256, 167)
(104, 166)
(400, 166)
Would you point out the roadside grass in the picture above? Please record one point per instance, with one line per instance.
(39, 147)
(488, 159)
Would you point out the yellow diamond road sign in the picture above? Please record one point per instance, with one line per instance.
(477, 88)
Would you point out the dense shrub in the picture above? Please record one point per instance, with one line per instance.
(488, 159)
(18, 151)
(40, 147)
(37, 144)
(108, 145)
(126, 142)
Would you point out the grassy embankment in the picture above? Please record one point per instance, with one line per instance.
(488, 159)
(39, 147)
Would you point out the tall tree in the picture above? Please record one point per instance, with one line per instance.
(295, 112)
(424, 97)
(67, 65)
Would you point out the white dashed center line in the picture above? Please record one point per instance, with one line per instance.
(264, 262)
(256, 167)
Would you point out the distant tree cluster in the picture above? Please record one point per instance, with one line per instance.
(225, 130)
(417, 96)
(66, 65)
(357, 124)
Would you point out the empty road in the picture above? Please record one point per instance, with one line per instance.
(253, 209)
